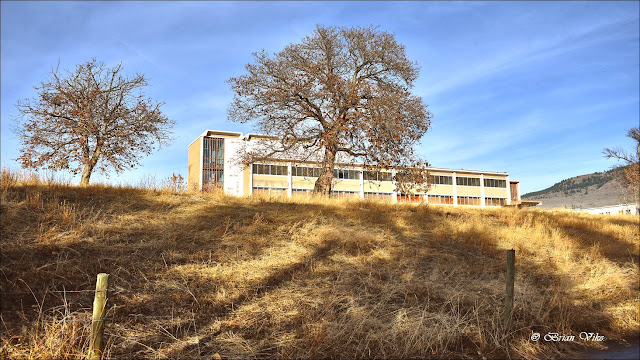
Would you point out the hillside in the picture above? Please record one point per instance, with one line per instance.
(194, 275)
(584, 191)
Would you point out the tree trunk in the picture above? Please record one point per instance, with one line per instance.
(88, 167)
(86, 174)
(323, 184)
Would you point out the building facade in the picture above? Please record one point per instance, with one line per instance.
(620, 209)
(213, 163)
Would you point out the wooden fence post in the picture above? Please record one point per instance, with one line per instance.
(96, 345)
(510, 277)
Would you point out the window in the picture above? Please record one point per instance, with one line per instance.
(346, 174)
(440, 199)
(441, 180)
(468, 181)
(266, 169)
(468, 200)
(378, 196)
(377, 176)
(341, 194)
(269, 191)
(410, 197)
(213, 162)
(302, 192)
(305, 171)
(497, 183)
(495, 201)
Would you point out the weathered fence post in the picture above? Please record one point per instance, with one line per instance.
(96, 345)
(508, 299)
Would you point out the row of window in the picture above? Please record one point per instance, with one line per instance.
(495, 201)
(378, 195)
(305, 171)
(467, 181)
(378, 176)
(346, 174)
(430, 199)
(270, 169)
(341, 194)
(269, 191)
(411, 198)
(495, 183)
(471, 181)
(441, 180)
(468, 200)
(302, 192)
(440, 199)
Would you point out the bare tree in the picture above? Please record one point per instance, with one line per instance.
(340, 91)
(631, 167)
(91, 117)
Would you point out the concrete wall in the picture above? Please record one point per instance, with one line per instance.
(194, 171)
(233, 176)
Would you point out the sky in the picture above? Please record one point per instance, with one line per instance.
(535, 89)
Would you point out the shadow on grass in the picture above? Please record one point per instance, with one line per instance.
(456, 277)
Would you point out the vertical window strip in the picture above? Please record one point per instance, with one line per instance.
(213, 162)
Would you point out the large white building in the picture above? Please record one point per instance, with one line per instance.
(213, 162)
(620, 209)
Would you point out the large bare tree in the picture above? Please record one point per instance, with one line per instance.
(631, 167)
(88, 118)
(339, 91)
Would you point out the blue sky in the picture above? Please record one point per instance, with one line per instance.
(536, 89)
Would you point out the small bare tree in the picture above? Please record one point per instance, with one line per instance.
(631, 167)
(340, 91)
(91, 117)
(175, 183)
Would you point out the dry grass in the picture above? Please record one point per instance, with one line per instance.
(199, 274)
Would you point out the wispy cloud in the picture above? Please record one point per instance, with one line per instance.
(524, 54)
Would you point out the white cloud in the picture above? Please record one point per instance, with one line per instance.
(524, 54)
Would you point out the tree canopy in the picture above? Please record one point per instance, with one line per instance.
(93, 116)
(340, 91)
(631, 161)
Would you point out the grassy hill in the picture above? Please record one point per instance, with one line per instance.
(192, 275)
(584, 191)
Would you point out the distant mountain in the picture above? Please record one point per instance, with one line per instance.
(584, 191)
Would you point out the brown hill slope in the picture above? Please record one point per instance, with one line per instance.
(192, 275)
(584, 191)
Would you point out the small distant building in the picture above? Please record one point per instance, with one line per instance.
(212, 165)
(629, 209)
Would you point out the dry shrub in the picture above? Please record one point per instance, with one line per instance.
(195, 274)
(55, 332)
